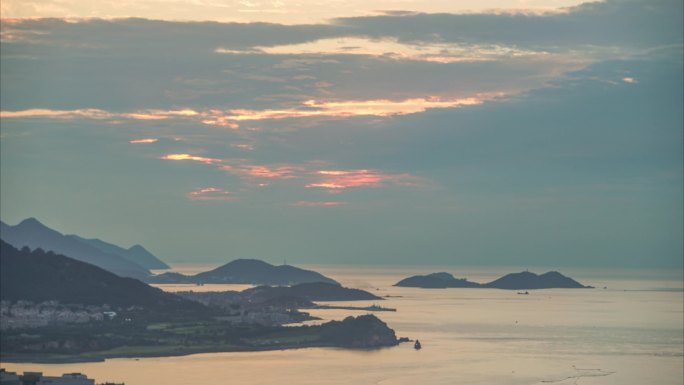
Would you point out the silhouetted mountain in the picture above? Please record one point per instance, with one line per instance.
(247, 271)
(515, 281)
(34, 234)
(136, 254)
(44, 276)
(526, 280)
(258, 272)
(170, 277)
(314, 291)
(435, 281)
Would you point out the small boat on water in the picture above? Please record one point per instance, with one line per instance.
(417, 345)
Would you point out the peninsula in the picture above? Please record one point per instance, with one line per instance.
(58, 309)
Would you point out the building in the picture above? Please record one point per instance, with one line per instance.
(37, 378)
(8, 378)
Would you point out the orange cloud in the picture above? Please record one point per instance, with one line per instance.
(211, 194)
(380, 107)
(91, 113)
(334, 181)
(143, 141)
(262, 171)
(94, 113)
(190, 157)
(231, 118)
(344, 179)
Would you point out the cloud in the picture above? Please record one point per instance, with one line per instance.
(627, 23)
(230, 118)
(336, 180)
(98, 114)
(90, 113)
(345, 109)
(143, 141)
(252, 171)
(211, 194)
(319, 203)
(308, 175)
(190, 157)
(281, 11)
(391, 48)
(265, 67)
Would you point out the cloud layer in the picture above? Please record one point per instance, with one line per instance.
(547, 137)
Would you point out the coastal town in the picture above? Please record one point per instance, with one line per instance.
(28, 314)
(37, 378)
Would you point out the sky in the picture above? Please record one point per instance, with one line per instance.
(499, 132)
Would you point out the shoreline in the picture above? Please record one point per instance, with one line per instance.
(180, 353)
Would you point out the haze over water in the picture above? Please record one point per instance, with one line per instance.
(628, 334)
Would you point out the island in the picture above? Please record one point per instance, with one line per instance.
(436, 281)
(515, 281)
(245, 271)
(58, 309)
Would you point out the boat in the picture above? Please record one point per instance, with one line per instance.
(417, 345)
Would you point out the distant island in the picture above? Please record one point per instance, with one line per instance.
(436, 281)
(246, 271)
(58, 309)
(515, 281)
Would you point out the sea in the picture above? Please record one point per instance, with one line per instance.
(628, 330)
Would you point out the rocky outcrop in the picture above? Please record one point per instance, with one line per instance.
(366, 331)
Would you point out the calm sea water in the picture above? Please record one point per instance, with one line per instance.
(630, 333)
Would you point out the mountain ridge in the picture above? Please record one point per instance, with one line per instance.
(136, 253)
(32, 233)
(247, 271)
(46, 276)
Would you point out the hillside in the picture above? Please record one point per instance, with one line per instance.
(315, 291)
(30, 232)
(136, 254)
(40, 276)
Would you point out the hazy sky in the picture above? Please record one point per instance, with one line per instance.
(382, 131)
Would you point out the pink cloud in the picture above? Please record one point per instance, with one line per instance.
(143, 141)
(308, 175)
(336, 180)
(94, 113)
(211, 194)
(190, 157)
(318, 204)
(263, 171)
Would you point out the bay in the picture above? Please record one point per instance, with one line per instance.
(629, 333)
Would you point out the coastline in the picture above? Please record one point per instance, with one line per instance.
(101, 357)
